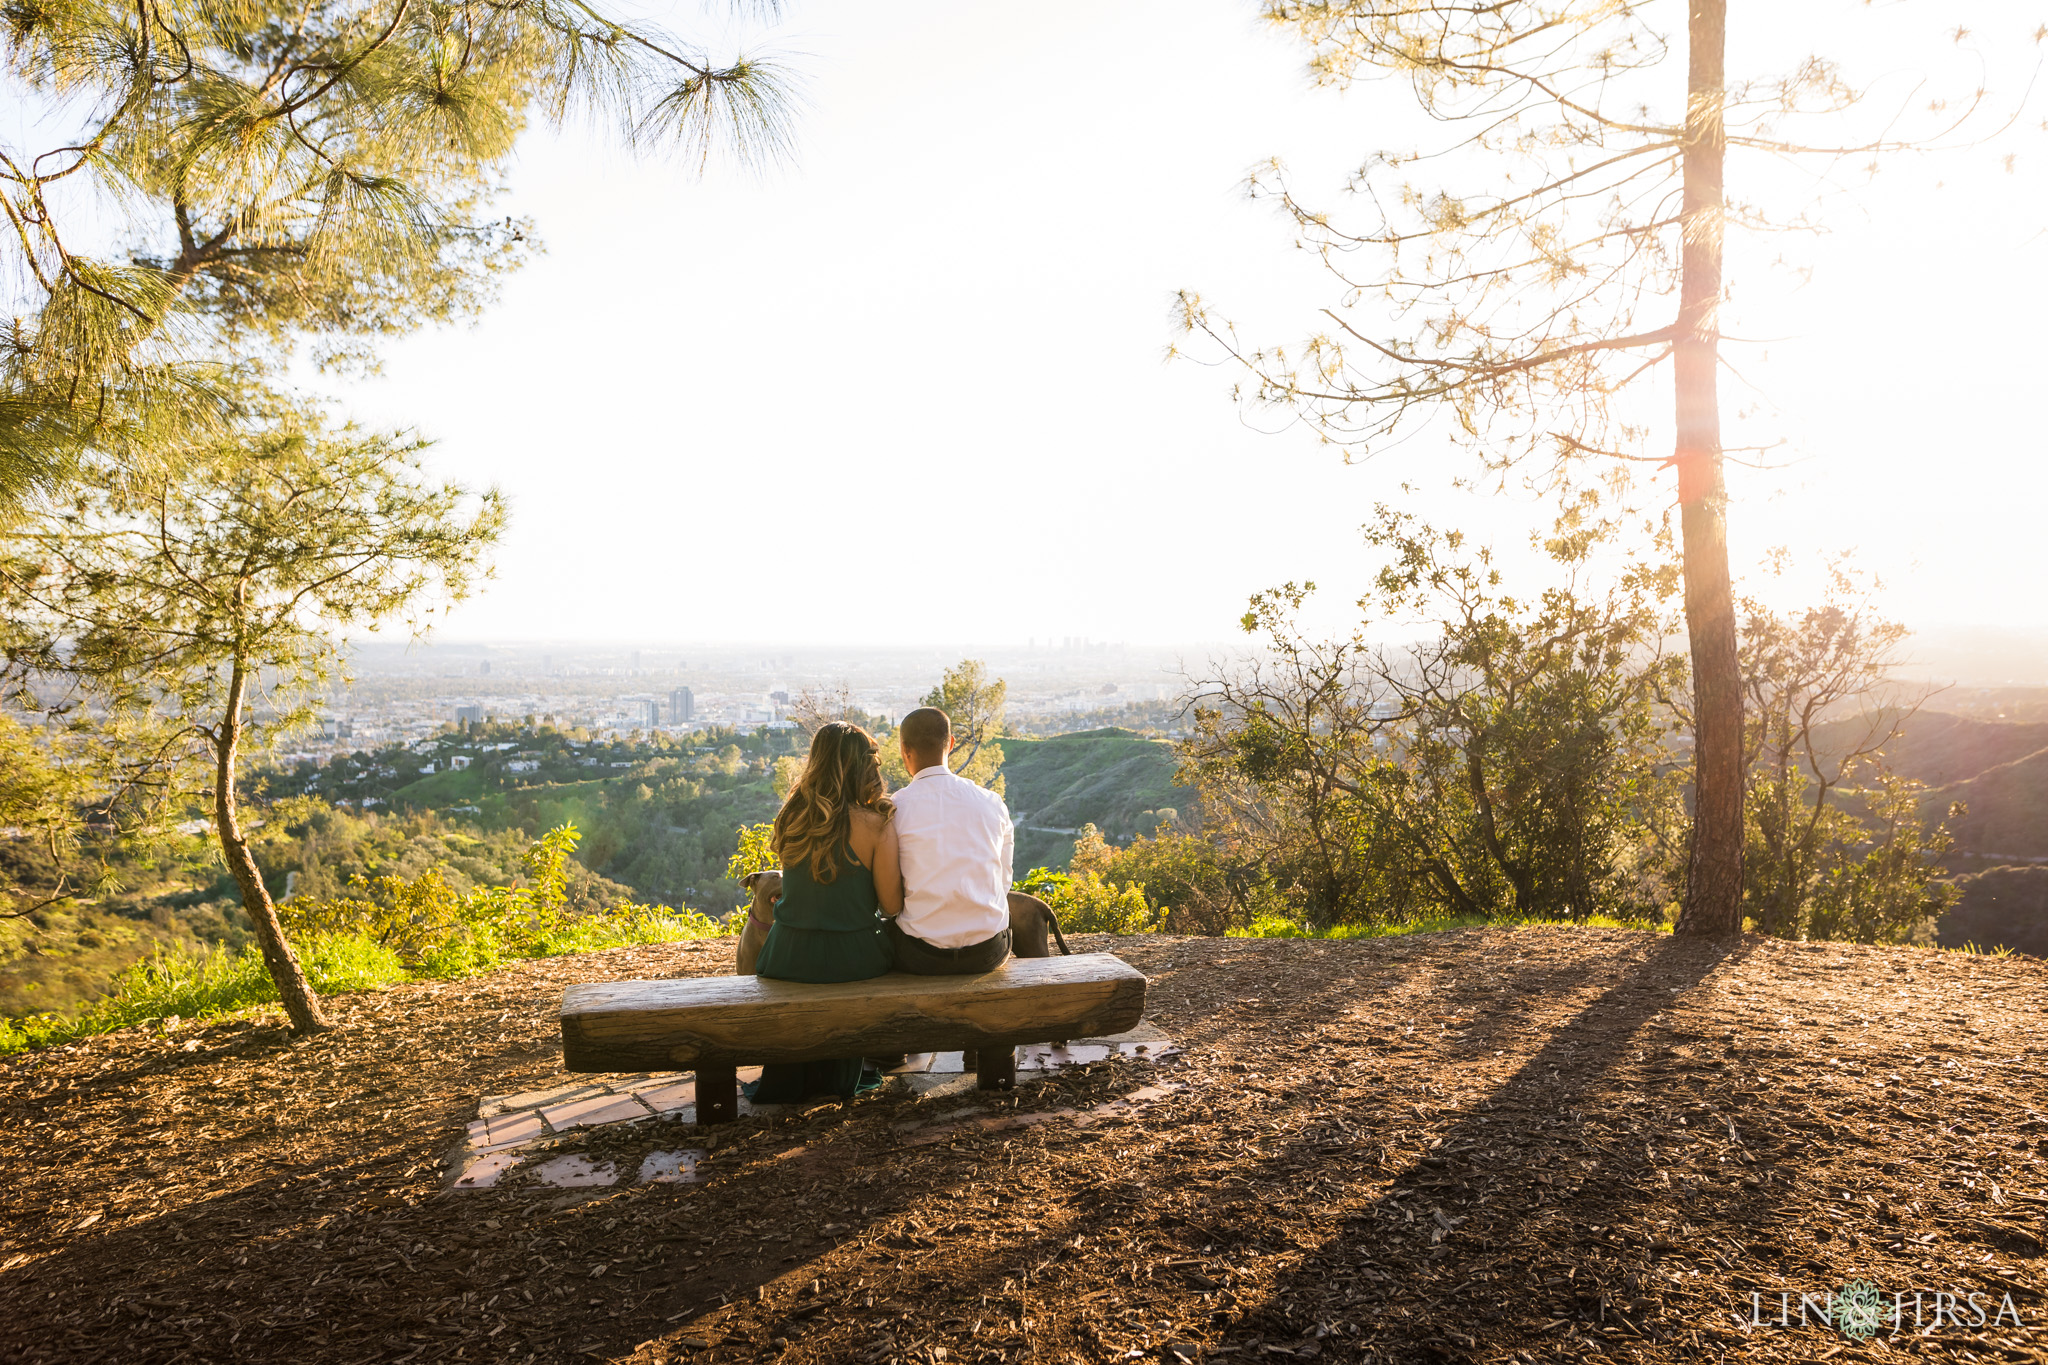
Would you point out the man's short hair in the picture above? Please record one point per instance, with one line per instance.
(925, 732)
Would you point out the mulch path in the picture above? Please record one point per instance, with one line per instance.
(1490, 1145)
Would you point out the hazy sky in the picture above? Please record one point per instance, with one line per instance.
(911, 387)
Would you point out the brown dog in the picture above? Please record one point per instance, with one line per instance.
(1031, 920)
(766, 889)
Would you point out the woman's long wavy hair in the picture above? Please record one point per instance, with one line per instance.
(844, 770)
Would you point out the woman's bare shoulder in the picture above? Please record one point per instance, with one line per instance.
(867, 821)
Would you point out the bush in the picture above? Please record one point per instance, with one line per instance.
(1180, 873)
(437, 931)
(183, 984)
(388, 931)
(1279, 926)
(1085, 902)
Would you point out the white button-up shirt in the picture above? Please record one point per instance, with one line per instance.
(956, 843)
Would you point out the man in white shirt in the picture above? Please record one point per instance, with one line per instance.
(956, 844)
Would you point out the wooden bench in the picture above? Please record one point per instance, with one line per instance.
(713, 1025)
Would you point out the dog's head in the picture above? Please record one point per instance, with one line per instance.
(766, 889)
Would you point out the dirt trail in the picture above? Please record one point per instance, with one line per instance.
(1490, 1145)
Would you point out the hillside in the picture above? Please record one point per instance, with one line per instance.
(2008, 810)
(2001, 907)
(1110, 778)
(1937, 748)
(1997, 769)
(1535, 1145)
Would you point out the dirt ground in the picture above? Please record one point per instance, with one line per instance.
(1528, 1145)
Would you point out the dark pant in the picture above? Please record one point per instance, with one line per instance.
(919, 958)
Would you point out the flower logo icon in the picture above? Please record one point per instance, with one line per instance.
(1859, 1309)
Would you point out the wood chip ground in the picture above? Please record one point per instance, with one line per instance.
(1486, 1146)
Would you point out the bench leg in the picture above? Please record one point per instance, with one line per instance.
(718, 1094)
(996, 1068)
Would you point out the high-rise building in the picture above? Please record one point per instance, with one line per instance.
(470, 715)
(636, 661)
(653, 711)
(483, 670)
(681, 706)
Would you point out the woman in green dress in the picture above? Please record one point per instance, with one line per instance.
(840, 875)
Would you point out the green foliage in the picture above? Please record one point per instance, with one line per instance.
(192, 985)
(435, 931)
(1085, 904)
(1118, 781)
(1279, 926)
(754, 853)
(322, 171)
(1837, 846)
(1087, 901)
(974, 704)
(1181, 873)
(178, 597)
(391, 930)
(1513, 766)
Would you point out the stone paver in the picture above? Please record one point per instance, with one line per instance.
(505, 1128)
(663, 1099)
(592, 1112)
(670, 1168)
(1047, 1056)
(494, 1105)
(938, 1085)
(511, 1129)
(569, 1172)
(483, 1173)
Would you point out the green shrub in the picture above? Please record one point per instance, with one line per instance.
(1086, 904)
(390, 930)
(1279, 926)
(193, 985)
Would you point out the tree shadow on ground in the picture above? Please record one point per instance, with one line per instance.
(1430, 1150)
(1532, 1225)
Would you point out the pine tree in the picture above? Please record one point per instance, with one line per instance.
(322, 173)
(1585, 251)
(204, 598)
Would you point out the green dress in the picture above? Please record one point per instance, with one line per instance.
(824, 931)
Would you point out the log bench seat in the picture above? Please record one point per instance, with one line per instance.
(714, 1025)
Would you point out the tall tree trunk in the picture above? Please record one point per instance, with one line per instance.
(300, 1003)
(1713, 893)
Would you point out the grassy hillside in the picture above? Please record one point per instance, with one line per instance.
(1110, 778)
(1997, 768)
(1937, 748)
(2008, 810)
(2006, 907)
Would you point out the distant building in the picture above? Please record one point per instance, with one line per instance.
(636, 660)
(652, 709)
(472, 715)
(681, 706)
(522, 765)
(483, 670)
(459, 762)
